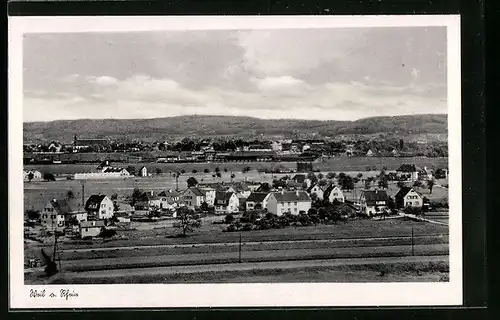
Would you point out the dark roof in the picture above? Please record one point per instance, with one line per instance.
(196, 191)
(94, 201)
(375, 195)
(169, 193)
(223, 197)
(408, 168)
(109, 170)
(292, 196)
(300, 178)
(63, 206)
(257, 196)
(403, 192)
(329, 190)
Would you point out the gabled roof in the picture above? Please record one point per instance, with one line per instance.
(375, 195)
(94, 201)
(64, 206)
(111, 169)
(300, 178)
(223, 197)
(404, 191)
(291, 196)
(257, 196)
(197, 192)
(169, 193)
(408, 168)
(329, 190)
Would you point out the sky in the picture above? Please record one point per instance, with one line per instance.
(320, 74)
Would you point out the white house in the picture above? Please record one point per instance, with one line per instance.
(370, 153)
(408, 197)
(193, 197)
(294, 202)
(301, 179)
(106, 173)
(53, 216)
(374, 202)
(209, 195)
(90, 228)
(99, 207)
(316, 189)
(257, 201)
(226, 202)
(143, 172)
(35, 175)
(334, 193)
(408, 170)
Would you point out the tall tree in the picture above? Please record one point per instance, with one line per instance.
(430, 185)
(186, 221)
(192, 182)
(30, 176)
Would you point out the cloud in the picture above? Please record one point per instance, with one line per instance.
(277, 97)
(338, 73)
(102, 80)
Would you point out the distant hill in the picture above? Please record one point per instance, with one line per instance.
(209, 126)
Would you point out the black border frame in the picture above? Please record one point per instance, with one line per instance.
(473, 123)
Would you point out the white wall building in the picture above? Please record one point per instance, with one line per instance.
(294, 202)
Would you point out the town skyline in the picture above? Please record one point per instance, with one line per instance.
(310, 74)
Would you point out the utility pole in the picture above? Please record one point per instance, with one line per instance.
(239, 260)
(177, 181)
(83, 193)
(412, 243)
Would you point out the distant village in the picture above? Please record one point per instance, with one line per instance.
(85, 150)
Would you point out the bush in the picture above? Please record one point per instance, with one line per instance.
(229, 219)
(231, 228)
(247, 227)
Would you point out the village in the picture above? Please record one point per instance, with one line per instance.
(299, 198)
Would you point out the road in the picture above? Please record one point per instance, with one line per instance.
(165, 260)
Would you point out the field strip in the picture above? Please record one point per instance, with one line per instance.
(224, 244)
(257, 266)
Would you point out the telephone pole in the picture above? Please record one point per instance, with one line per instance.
(412, 243)
(239, 259)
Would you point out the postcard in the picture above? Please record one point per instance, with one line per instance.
(234, 161)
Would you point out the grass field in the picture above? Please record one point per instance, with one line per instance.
(428, 271)
(210, 233)
(331, 164)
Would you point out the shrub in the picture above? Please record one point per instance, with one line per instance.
(247, 227)
(229, 219)
(231, 228)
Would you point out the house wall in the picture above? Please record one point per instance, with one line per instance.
(336, 193)
(317, 190)
(210, 197)
(191, 200)
(106, 209)
(51, 219)
(101, 175)
(90, 231)
(412, 199)
(272, 204)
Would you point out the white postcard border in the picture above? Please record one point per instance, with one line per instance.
(231, 295)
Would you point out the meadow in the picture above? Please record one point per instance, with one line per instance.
(322, 164)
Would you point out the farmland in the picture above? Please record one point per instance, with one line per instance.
(328, 164)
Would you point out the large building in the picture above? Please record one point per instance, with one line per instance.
(374, 202)
(99, 207)
(294, 202)
(407, 197)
